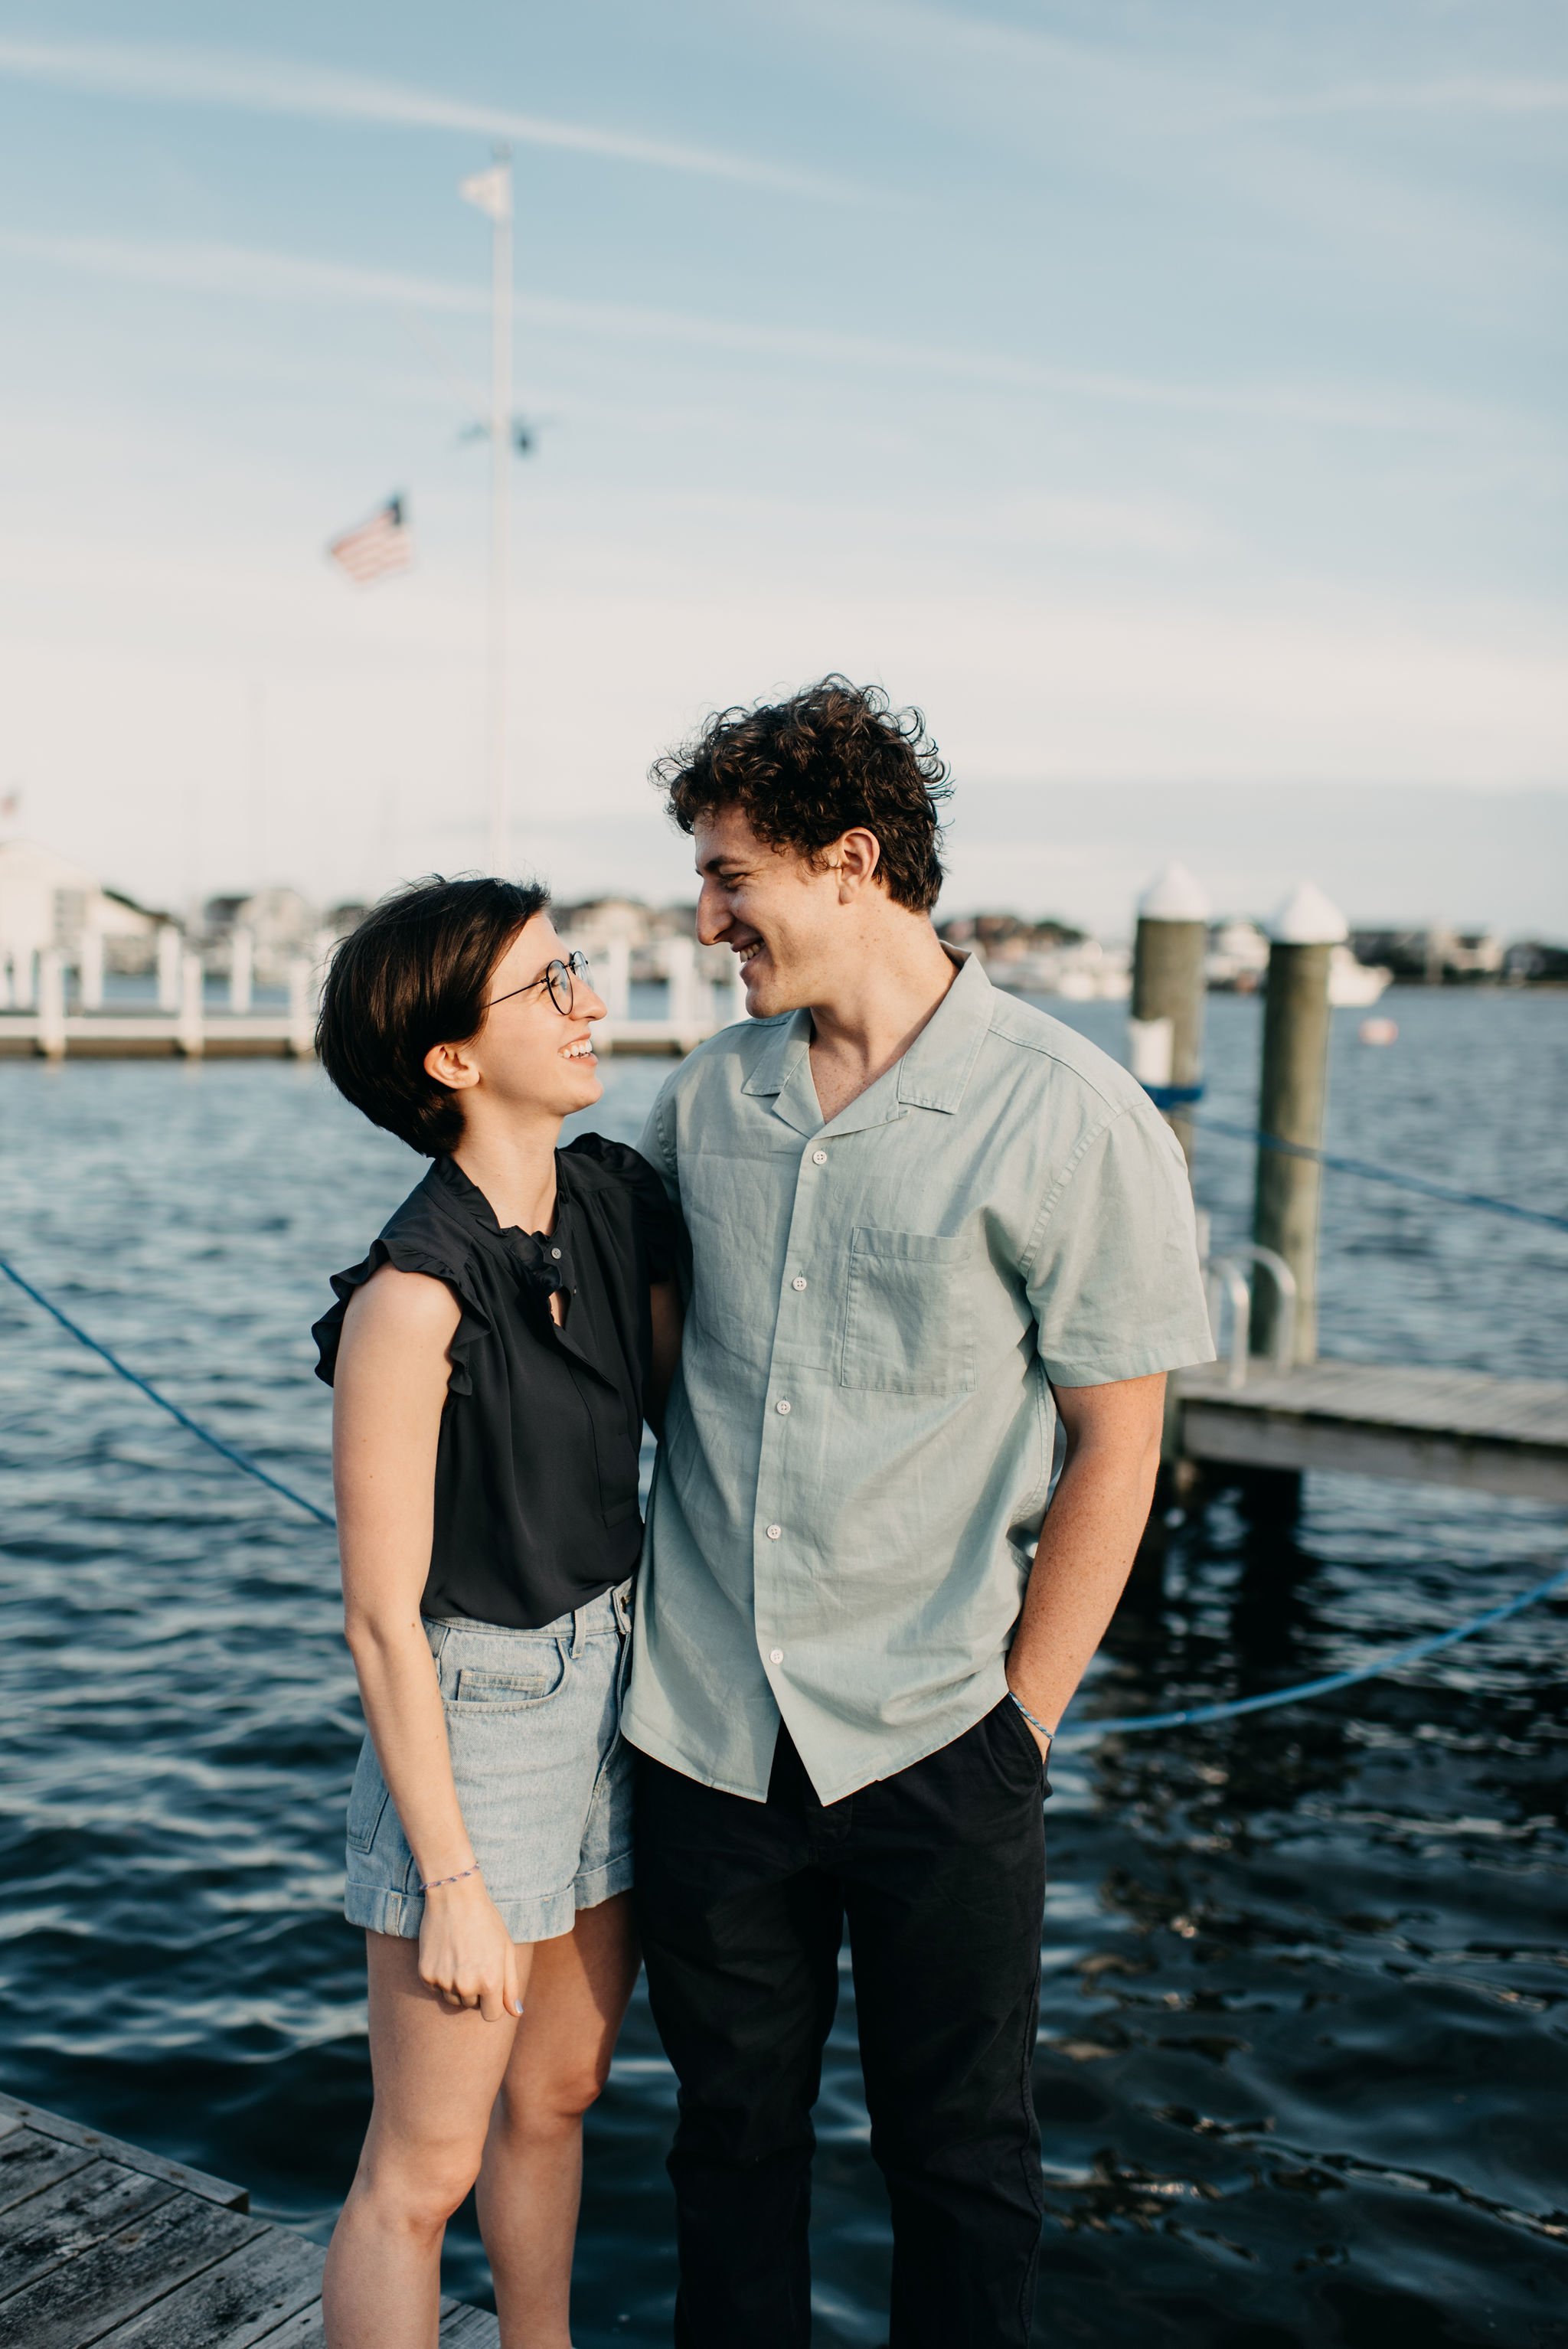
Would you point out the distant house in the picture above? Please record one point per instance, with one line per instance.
(47, 902)
(283, 925)
(1435, 955)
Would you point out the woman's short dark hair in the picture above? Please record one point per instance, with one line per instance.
(806, 771)
(414, 974)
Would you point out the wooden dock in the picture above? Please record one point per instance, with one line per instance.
(1508, 1436)
(262, 1036)
(103, 2243)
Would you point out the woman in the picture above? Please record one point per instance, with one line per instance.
(493, 1358)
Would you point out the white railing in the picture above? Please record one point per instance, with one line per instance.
(38, 1014)
(1226, 1283)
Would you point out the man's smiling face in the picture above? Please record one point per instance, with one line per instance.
(781, 916)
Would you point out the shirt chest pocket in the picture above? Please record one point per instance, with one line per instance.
(908, 1326)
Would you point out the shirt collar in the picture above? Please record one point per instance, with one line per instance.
(780, 1054)
(932, 1074)
(544, 1261)
(937, 1066)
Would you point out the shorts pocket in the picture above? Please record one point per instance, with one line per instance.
(907, 1324)
(531, 1677)
(367, 1799)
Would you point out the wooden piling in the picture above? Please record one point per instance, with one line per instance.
(51, 1002)
(1165, 1039)
(1292, 1100)
(1168, 989)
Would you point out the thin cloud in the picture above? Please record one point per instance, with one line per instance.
(207, 268)
(225, 269)
(279, 85)
(1459, 94)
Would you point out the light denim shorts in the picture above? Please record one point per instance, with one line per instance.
(544, 1779)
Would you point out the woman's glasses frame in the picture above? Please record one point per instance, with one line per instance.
(558, 977)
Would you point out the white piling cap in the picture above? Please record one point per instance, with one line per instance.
(1173, 896)
(1308, 919)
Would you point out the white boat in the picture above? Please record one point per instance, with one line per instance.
(1353, 985)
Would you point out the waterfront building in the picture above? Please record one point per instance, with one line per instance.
(47, 904)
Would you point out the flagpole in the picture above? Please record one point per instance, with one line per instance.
(500, 512)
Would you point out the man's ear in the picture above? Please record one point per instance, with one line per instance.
(450, 1065)
(855, 859)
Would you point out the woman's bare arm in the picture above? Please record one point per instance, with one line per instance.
(389, 1389)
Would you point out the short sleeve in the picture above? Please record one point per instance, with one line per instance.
(1113, 1274)
(658, 1142)
(409, 1254)
(658, 1220)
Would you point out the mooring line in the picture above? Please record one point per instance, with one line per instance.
(1366, 1170)
(1193, 1716)
(204, 1434)
(1092, 1731)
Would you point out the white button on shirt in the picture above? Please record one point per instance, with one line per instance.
(774, 1655)
(798, 1281)
(1007, 1213)
(782, 1409)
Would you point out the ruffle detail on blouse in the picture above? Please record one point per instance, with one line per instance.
(545, 1263)
(410, 1255)
(663, 1231)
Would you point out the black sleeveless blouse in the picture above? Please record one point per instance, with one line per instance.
(536, 1465)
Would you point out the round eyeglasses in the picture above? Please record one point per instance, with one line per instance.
(558, 977)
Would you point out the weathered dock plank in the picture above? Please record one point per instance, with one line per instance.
(29, 2163)
(462, 2327)
(61, 2223)
(104, 2245)
(79, 2303)
(303, 2331)
(1508, 1436)
(15, 2113)
(241, 2301)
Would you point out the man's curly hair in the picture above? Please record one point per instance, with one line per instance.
(806, 771)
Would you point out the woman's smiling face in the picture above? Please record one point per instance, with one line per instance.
(527, 1055)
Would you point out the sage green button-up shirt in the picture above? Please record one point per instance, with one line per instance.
(859, 1447)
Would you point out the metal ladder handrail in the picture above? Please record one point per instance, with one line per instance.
(1224, 1278)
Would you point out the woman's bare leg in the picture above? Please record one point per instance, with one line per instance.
(531, 2179)
(437, 2073)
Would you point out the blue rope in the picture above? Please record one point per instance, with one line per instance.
(1448, 1191)
(229, 1452)
(1190, 1717)
(1193, 1716)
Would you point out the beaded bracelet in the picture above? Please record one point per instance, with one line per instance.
(436, 1883)
(1039, 1727)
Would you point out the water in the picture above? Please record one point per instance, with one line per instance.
(1302, 2061)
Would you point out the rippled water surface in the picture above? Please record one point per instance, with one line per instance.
(1301, 2070)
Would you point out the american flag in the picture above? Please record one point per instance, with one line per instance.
(383, 543)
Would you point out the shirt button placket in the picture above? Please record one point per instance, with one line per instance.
(782, 1406)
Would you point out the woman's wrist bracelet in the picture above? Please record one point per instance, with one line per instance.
(437, 1882)
(1037, 1726)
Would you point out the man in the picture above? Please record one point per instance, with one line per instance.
(928, 1222)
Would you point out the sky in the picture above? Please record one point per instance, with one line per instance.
(1167, 400)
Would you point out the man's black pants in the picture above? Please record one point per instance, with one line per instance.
(940, 1873)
